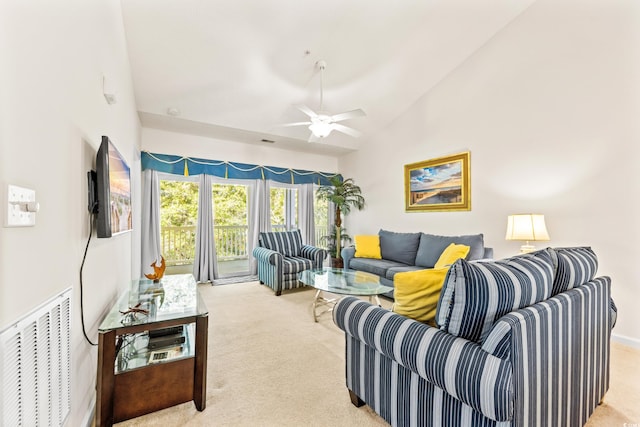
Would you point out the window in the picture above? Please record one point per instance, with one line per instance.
(284, 208)
(231, 203)
(321, 219)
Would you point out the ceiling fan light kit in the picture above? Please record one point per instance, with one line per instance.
(322, 124)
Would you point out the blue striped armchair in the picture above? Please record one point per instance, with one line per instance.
(520, 342)
(281, 256)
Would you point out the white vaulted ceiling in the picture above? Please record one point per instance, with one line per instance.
(236, 68)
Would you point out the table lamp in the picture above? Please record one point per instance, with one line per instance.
(527, 227)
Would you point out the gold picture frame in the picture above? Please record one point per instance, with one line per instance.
(441, 184)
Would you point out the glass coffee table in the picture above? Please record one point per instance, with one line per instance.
(341, 281)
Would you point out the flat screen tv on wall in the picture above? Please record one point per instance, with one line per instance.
(112, 191)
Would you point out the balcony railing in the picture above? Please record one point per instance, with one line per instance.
(178, 243)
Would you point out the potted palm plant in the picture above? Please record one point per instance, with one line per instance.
(329, 241)
(344, 195)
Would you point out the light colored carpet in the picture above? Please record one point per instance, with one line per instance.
(269, 364)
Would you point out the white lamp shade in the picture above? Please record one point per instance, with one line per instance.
(321, 129)
(528, 227)
(321, 126)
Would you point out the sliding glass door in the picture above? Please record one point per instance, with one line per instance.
(178, 219)
(231, 228)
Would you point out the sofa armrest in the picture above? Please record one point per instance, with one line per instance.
(488, 253)
(267, 255)
(317, 255)
(456, 365)
(613, 312)
(347, 254)
(558, 347)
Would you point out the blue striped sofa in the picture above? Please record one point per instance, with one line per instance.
(522, 341)
(281, 256)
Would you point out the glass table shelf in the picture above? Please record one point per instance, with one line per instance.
(174, 297)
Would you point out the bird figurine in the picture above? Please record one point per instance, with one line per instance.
(158, 271)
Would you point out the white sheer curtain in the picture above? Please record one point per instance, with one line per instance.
(259, 216)
(306, 214)
(205, 264)
(150, 233)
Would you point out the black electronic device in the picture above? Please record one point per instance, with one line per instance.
(166, 331)
(92, 198)
(165, 341)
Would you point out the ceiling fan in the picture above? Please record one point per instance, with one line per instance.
(321, 123)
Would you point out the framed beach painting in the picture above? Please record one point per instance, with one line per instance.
(441, 184)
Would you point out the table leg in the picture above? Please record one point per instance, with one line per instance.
(105, 381)
(376, 298)
(319, 300)
(200, 374)
(315, 304)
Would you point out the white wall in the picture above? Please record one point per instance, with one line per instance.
(163, 142)
(52, 116)
(548, 109)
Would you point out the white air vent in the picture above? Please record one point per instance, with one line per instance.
(35, 366)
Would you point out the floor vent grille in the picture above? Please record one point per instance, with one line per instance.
(35, 366)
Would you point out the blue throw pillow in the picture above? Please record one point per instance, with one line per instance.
(431, 247)
(476, 294)
(399, 247)
(575, 266)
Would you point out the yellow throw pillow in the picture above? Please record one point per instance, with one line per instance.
(416, 293)
(368, 246)
(451, 254)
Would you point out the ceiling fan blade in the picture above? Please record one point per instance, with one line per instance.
(313, 138)
(308, 111)
(348, 115)
(344, 129)
(295, 124)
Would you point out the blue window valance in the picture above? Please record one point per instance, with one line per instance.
(186, 166)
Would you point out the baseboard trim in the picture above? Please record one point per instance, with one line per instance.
(628, 341)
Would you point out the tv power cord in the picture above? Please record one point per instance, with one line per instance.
(84, 257)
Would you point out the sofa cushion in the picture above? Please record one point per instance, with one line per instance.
(451, 254)
(288, 243)
(575, 266)
(375, 266)
(400, 247)
(295, 264)
(367, 246)
(476, 294)
(431, 246)
(416, 293)
(391, 272)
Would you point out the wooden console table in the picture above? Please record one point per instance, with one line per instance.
(133, 379)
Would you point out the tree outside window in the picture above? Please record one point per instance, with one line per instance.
(178, 217)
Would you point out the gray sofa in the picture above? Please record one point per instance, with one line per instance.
(411, 251)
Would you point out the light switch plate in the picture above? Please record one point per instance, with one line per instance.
(16, 214)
